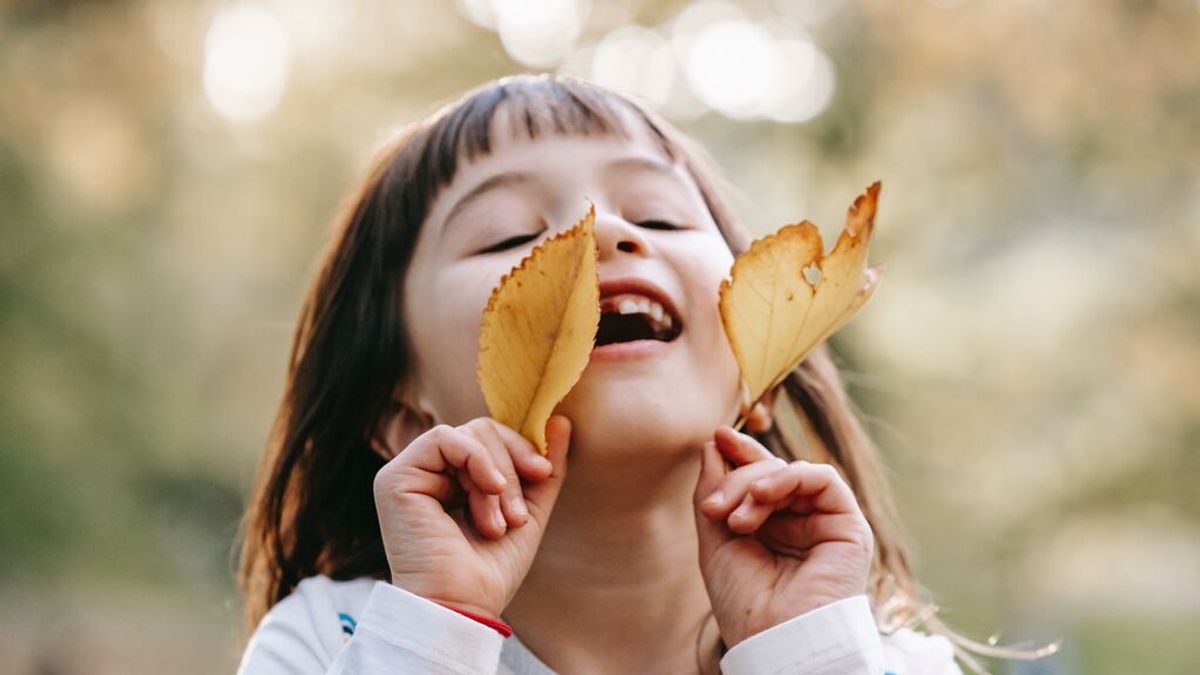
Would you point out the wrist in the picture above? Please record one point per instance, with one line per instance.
(742, 630)
(436, 592)
(468, 609)
(494, 623)
(472, 611)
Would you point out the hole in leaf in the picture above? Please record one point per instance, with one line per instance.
(812, 274)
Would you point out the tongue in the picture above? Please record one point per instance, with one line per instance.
(623, 328)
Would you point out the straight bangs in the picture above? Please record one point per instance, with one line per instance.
(530, 107)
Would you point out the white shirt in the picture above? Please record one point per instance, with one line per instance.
(365, 626)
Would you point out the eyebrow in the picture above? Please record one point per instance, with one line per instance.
(500, 180)
(513, 178)
(641, 163)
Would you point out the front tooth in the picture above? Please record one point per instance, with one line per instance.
(628, 306)
(644, 305)
(656, 311)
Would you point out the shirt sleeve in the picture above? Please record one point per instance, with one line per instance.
(398, 632)
(837, 639)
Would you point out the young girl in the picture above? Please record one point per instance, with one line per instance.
(396, 528)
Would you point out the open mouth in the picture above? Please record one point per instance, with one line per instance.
(627, 317)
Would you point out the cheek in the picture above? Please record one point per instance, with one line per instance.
(704, 276)
(704, 271)
(445, 320)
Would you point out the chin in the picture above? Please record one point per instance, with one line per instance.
(621, 420)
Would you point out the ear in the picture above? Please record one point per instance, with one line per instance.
(400, 426)
(760, 418)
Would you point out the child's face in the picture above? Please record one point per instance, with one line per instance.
(671, 397)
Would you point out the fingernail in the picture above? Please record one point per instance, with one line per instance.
(740, 512)
(715, 499)
(543, 462)
(517, 504)
(499, 477)
(498, 519)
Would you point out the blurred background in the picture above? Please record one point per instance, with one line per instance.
(169, 170)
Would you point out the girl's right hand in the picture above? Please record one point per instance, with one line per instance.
(462, 510)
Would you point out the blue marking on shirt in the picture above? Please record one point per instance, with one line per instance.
(348, 623)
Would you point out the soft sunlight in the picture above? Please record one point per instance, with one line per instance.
(636, 61)
(807, 83)
(734, 66)
(538, 32)
(245, 62)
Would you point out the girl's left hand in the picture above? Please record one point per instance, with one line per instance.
(776, 539)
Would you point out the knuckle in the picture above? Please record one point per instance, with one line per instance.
(492, 425)
(440, 433)
(827, 471)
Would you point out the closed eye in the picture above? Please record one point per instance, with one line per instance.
(511, 242)
(658, 225)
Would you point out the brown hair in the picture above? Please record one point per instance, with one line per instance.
(312, 510)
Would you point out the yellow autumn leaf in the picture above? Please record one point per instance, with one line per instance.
(784, 297)
(539, 329)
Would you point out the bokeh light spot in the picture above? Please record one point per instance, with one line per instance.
(733, 66)
(636, 61)
(538, 32)
(807, 83)
(245, 62)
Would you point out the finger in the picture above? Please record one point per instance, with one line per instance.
(799, 504)
(511, 502)
(529, 463)
(711, 473)
(804, 532)
(541, 496)
(776, 486)
(732, 488)
(481, 508)
(739, 448)
(749, 515)
(711, 533)
(821, 483)
(486, 514)
(443, 447)
(411, 480)
(467, 485)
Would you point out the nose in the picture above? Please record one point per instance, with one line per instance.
(616, 235)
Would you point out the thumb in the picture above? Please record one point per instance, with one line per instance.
(540, 496)
(712, 470)
(710, 533)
